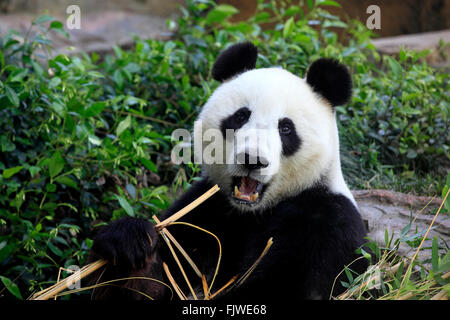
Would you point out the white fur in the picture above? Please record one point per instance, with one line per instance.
(272, 94)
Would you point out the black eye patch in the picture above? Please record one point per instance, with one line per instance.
(236, 120)
(289, 138)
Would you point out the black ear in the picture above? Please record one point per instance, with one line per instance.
(234, 60)
(331, 80)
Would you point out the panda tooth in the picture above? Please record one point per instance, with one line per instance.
(237, 193)
(254, 196)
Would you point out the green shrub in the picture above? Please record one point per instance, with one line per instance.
(86, 139)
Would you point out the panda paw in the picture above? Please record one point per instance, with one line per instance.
(127, 243)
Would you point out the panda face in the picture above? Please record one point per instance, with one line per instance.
(281, 135)
(277, 132)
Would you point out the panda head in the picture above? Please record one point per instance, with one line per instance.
(277, 132)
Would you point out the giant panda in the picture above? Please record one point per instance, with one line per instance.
(288, 188)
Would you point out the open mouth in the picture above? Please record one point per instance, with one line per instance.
(247, 190)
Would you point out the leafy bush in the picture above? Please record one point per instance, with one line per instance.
(86, 139)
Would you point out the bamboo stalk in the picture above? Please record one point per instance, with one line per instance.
(406, 296)
(205, 287)
(255, 264)
(180, 248)
(441, 295)
(188, 208)
(164, 235)
(173, 282)
(223, 288)
(218, 242)
(65, 283)
(245, 276)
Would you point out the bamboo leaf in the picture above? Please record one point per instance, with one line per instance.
(12, 287)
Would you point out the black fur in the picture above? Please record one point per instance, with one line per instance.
(314, 236)
(290, 140)
(234, 60)
(331, 80)
(253, 163)
(236, 120)
(126, 241)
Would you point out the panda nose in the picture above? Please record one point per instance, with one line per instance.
(253, 163)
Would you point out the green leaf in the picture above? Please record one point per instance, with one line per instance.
(327, 3)
(59, 27)
(444, 264)
(334, 24)
(118, 52)
(59, 108)
(132, 67)
(434, 255)
(8, 173)
(150, 165)
(95, 109)
(56, 25)
(118, 78)
(412, 154)
(6, 250)
(12, 287)
(131, 190)
(125, 205)
(18, 75)
(55, 249)
(95, 74)
(395, 66)
(12, 96)
(123, 125)
(220, 13)
(50, 187)
(402, 54)
(19, 199)
(349, 275)
(37, 68)
(288, 27)
(56, 164)
(54, 82)
(2, 60)
(6, 145)
(42, 19)
(95, 140)
(34, 170)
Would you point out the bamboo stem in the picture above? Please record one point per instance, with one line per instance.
(188, 208)
(65, 283)
(180, 248)
(441, 295)
(164, 235)
(223, 288)
(173, 282)
(205, 287)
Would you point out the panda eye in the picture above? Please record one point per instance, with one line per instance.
(285, 129)
(241, 116)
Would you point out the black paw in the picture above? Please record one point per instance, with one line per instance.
(126, 243)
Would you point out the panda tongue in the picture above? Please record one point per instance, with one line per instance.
(248, 185)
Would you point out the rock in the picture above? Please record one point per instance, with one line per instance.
(418, 42)
(98, 33)
(383, 209)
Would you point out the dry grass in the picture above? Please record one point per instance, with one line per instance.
(416, 282)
